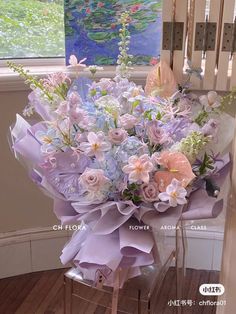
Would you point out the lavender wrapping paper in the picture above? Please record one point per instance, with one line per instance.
(118, 245)
(106, 240)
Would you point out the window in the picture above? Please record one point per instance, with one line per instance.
(32, 29)
(35, 29)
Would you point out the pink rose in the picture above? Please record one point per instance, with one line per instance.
(93, 180)
(117, 136)
(156, 134)
(149, 192)
(127, 121)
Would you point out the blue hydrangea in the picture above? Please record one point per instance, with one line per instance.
(131, 146)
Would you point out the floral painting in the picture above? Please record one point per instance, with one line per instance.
(92, 30)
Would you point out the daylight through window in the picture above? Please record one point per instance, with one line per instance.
(32, 29)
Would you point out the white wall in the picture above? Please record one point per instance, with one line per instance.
(22, 204)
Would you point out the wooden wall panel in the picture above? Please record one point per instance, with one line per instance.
(222, 74)
(216, 63)
(196, 58)
(181, 15)
(210, 64)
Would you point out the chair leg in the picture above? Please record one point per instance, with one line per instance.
(180, 239)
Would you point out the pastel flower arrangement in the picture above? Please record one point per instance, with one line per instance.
(107, 148)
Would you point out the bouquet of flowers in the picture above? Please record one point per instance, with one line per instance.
(110, 153)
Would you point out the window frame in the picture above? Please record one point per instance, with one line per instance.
(35, 62)
(41, 67)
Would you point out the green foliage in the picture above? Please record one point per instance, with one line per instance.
(60, 89)
(193, 144)
(159, 116)
(148, 114)
(201, 117)
(229, 100)
(132, 193)
(31, 28)
(206, 164)
(30, 79)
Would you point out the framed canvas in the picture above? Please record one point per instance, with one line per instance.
(92, 30)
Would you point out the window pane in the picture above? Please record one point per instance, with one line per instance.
(31, 28)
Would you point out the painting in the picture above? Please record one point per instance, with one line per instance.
(92, 30)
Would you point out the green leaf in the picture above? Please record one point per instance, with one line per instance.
(148, 114)
(207, 163)
(159, 116)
